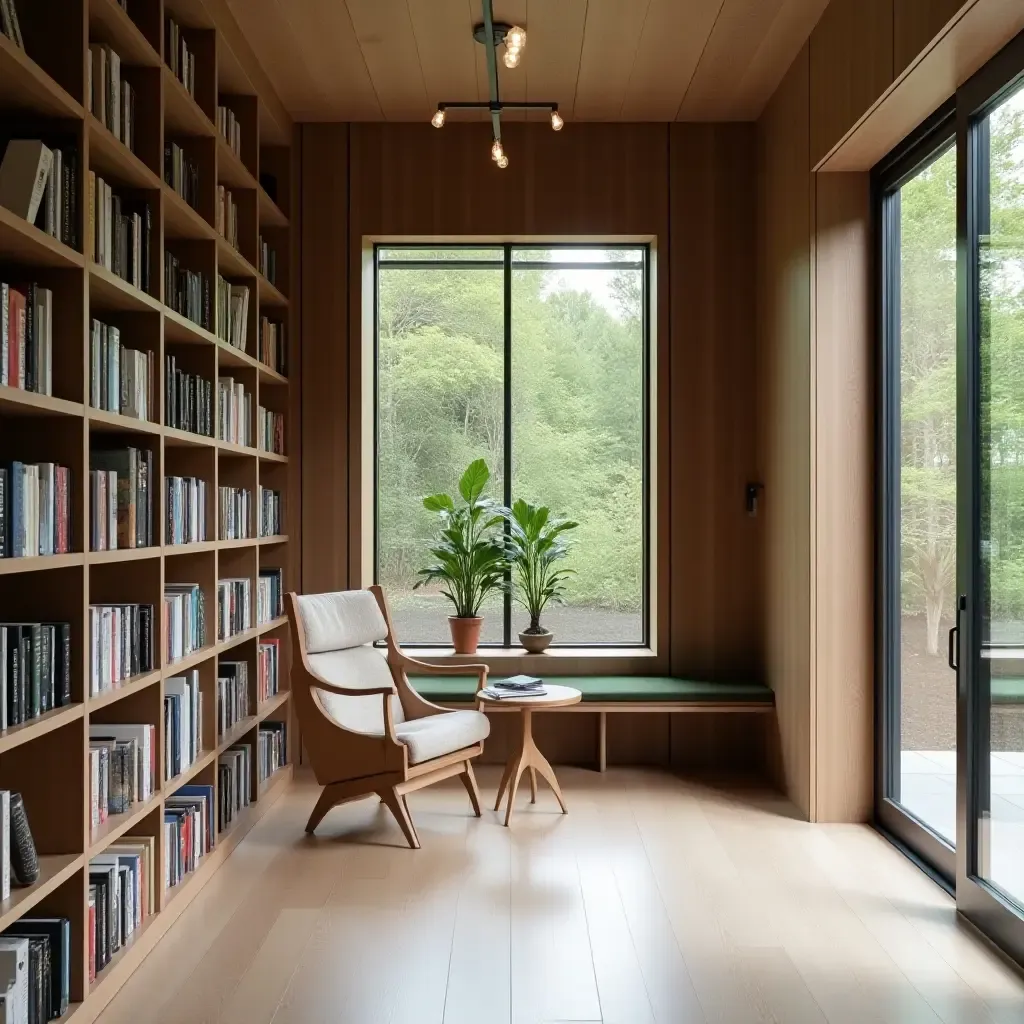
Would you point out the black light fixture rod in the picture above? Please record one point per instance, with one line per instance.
(485, 105)
(492, 68)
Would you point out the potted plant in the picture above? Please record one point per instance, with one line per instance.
(534, 546)
(470, 560)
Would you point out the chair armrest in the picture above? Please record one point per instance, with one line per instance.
(321, 684)
(480, 671)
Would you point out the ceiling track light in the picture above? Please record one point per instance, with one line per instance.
(492, 35)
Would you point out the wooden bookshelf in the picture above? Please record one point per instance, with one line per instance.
(46, 758)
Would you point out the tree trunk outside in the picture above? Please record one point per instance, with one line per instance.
(933, 613)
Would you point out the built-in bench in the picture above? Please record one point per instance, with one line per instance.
(1007, 690)
(617, 694)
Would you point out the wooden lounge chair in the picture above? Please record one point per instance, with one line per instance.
(365, 729)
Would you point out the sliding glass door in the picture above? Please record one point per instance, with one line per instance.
(990, 879)
(918, 514)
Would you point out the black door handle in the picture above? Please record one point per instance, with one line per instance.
(954, 633)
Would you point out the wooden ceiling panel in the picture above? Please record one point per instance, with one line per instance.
(671, 43)
(600, 60)
(385, 34)
(611, 37)
(739, 29)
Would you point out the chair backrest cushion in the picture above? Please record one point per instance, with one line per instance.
(338, 621)
(356, 668)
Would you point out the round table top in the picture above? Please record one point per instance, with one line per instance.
(556, 697)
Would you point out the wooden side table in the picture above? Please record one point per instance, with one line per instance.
(528, 756)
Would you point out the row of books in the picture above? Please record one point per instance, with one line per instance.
(26, 337)
(234, 783)
(188, 401)
(182, 174)
(270, 512)
(234, 606)
(268, 662)
(184, 622)
(232, 695)
(234, 409)
(122, 896)
(180, 58)
(227, 215)
(120, 233)
(271, 751)
(230, 128)
(121, 380)
(122, 768)
(35, 509)
(120, 644)
(186, 509)
(269, 595)
(271, 348)
(9, 24)
(188, 831)
(235, 511)
(40, 184)
(232, 313)
(108, 95)
(35, 669)
(186, 291)
(270, 430)
(121, 498)
(183, 723)
(35, 967)
(268, 261)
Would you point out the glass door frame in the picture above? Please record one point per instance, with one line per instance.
(980, 902)
(921, 148)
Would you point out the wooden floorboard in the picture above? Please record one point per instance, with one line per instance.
(654, 901)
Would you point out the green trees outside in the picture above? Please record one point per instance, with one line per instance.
(577, 414)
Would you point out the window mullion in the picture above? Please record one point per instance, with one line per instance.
(507, 423)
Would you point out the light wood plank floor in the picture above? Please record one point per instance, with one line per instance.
(654, 900)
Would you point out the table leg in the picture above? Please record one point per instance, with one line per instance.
(527, 758)
(533, 784)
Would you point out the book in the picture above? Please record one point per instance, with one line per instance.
(270, 431)
(232, 695)
(232, 313)
(234, 607)
(186, 291)
(235, 513)
(184, 620)
(5, 844)
(271, 345)
(14, 975)
(268, 662)
(37, 509)
(185, 506)
(181, 172)
(499, 693)
(121, 232)
(234, 408)
(121, 644)
(9, 22)
(188, 400)
(269, 595)
(132, 469)
(271, 748)
(57, 976)
(24, 173)
(271, 520)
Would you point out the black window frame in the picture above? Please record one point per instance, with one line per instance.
(507, 264)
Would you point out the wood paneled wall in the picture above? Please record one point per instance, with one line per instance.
(690, 188)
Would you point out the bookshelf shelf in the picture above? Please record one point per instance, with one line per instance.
(25, 86)
(181, 221)
(16, 402)
(230, 169)
(40, 563)
(117, 825)
(101, 420)
(16, 735)
(25, 243)
(115, 162)
(270, 213)
(45, 95)
(182, 115)
(125, 688)
(270, 295)
(113, 293)
(54, 871)
(111, 23)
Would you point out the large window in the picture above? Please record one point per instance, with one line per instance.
(535, 359)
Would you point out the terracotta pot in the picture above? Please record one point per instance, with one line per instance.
(465, 633)
(536, 643)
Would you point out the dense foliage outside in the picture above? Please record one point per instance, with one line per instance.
(577, 422)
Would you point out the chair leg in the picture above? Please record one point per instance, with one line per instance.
(324, 803)
(397, 806)
(506, 775)
(469, 781)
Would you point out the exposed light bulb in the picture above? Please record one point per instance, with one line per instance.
(515, 38)
(511, 58)
(557, 120)
(497, 151)
(438, 119)
(502, 161)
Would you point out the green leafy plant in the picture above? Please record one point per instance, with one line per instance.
(535, 545)
(470, 559)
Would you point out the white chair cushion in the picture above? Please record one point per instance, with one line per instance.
(437, 735)
(334, 622)
(358, 668)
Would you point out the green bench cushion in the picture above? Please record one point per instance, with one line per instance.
(609, 689)
(1007, 691)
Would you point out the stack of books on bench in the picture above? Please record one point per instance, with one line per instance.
(514, 686)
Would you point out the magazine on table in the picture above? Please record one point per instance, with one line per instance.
(515, 686)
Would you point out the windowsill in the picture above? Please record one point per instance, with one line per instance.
(581, 659)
